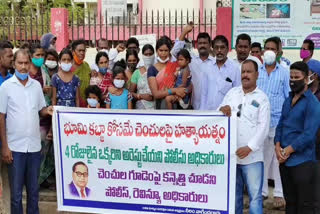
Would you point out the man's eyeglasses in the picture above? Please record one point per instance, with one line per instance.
(80, 174)
(239, 112)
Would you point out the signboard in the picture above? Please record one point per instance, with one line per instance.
(146, 39)
(144, 161)
(114, 8)
(291, 20)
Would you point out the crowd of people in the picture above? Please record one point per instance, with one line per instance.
(276, 105)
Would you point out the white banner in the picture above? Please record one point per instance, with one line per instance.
(291, 20)
(144, 161)
(114, 8)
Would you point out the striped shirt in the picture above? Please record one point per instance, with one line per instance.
(277, 87)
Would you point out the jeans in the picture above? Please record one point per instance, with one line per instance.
(299, 188)
(24, 170)
(250, 175)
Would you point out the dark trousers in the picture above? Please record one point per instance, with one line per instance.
(298, 184)
(24, 170)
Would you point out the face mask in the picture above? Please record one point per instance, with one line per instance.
(148, 60)
(105, 50)
(269, 57)
(92, 102)
(309, 79)
(297, 85)
(53, 47)
(162, 61)
(66, 67)
(21, 76)
(132, 66)
(38, 62)
(118, 83)
(103, 70)
(77, 60)
(304, 54)
(51, 64)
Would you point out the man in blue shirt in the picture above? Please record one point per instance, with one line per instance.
(274, 81)
(6, 59)
(295, 143)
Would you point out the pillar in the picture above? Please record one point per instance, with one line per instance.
(59, 27)
(224, 23)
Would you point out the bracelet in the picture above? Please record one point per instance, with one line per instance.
(170, 92)
(186, 90)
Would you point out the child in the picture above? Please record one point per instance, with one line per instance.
(93, 95)
(183, 80)
(119, 98)
(65, 84)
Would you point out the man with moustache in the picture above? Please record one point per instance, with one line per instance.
(253, 113)
(243, 45)
(274, 81)
(201, 66)
(224, 76)
(21, 104)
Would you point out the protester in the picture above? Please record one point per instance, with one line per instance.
(314, 77)
(139, 82)
(132, 60)
(65, 84)
(280, 58)
(253, 113)
(120, 98)
(81, 68)
(49, 68)
(161, 77)
(243, 44)
(94, 97)
(256, 51)
(19, 131)
(51, 59)
(6, 60)
(306, 51)
(102, 46)
(223, 76)
(183, 80)
(274, 81)
(200, 65)
(295, 143)
(103, 79)
(48, 41)
(37, 57)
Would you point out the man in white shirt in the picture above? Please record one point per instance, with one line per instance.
(243, 47)
(21, 102)
(253, 118)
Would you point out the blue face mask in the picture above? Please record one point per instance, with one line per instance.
(92, 102)
(38, 62)
(21, 76)
(103, 70)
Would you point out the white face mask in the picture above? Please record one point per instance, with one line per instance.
(162, 61)
(51, 64)
(269, 57)
(105, 50)
(309, 79)
(66, 67)
(118, 83)
(148, 60)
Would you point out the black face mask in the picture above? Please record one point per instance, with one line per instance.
(297, 85)
(132, 66)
